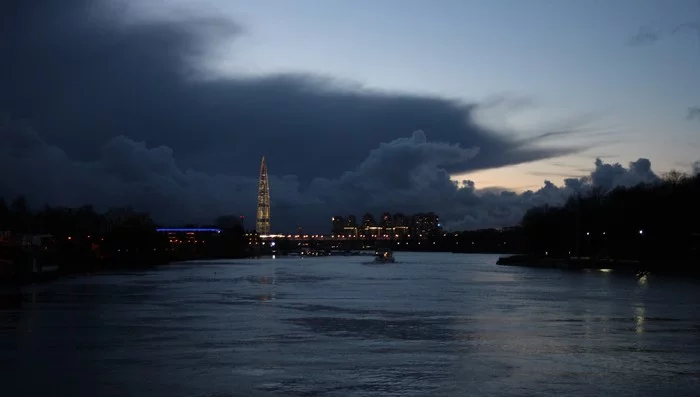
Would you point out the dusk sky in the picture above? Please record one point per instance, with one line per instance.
(572, 58)
(506, 94)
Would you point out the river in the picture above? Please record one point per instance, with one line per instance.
(428, 325)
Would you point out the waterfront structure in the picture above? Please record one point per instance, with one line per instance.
(386, 221)
(426, 224)
(262, 225)
(368, 221)
(338, 225)
(188, 235)
(350, 227)
(421, 225)
(401, 224)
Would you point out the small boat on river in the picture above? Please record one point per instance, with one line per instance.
(384, 255)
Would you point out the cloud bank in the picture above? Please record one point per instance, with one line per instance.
(405, 175)
(98, 107)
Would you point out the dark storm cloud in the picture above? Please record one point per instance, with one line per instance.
(609, 176)
(124, 172)
(99, 109)
(646, 35)
(405, 175)
(82, 77)
(693, 113)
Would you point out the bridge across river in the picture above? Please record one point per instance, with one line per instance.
(296, 242)
(344, 237)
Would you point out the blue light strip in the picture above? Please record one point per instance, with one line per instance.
(185, 230)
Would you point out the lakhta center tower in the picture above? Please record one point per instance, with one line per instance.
(262, 225)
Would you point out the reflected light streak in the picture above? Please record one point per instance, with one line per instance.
(640, 319)
(268, 281)
(643, 280)
(266, 297)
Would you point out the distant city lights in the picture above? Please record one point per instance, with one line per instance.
(188, 230)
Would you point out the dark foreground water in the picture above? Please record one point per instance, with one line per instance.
(428, 325)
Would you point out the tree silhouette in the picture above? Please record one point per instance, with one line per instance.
(646, 222)
(675, 177)
(4, 215)
(84, 239)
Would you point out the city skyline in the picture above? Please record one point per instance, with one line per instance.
(487, 110)
(388, 225)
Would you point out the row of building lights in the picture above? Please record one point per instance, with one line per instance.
(603, 233)
(321, 236)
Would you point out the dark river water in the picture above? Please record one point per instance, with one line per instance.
(428, 325)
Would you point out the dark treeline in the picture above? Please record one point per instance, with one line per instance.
(488, 241)
(83, 239)
(657, 223)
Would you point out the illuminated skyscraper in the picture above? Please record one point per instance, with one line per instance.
(426, 224)
(262, 225)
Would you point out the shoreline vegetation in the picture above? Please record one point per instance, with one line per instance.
(601, 264)
(646, 228)
(54, 242)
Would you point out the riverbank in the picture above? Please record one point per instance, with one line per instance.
(23, 271)
(602, 264)
(21, 275)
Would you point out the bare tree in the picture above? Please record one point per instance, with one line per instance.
(675, 177)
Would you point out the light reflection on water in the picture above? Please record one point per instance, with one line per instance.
(640, 319)
(430, 324)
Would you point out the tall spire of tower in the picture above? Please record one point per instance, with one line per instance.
(263, 221)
